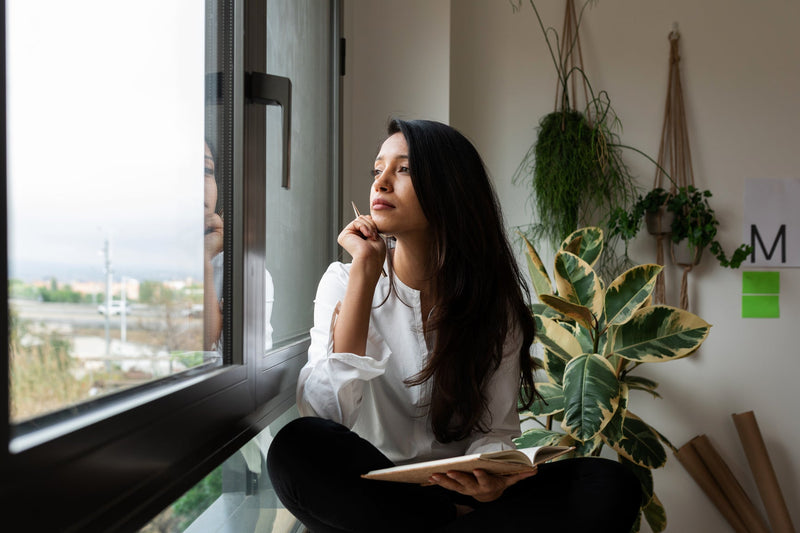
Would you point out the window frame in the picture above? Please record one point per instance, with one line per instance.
(115, 472)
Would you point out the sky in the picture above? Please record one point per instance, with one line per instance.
(105, 137)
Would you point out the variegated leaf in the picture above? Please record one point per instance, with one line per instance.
(539, 278)
(637, 525)
(640, 443)
(591, 395)
(656, 515)
(542, 437)
(578, 283)
(664, 439)
(545, 310)
(554, 365)
(643, 384)
(551, 399)
(659, 333)
(579, 313)
(612, 433)
(589, 447)
(556, 339)
(581, 334)
(586, 243)
(525, 415)
(629, 292)
(645, 477)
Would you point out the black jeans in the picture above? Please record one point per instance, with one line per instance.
(315, 467)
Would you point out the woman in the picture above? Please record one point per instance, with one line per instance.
(425, 362)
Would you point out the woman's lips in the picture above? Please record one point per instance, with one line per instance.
(378, 205)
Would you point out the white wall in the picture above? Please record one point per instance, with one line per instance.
(741, 74)
(398, 65)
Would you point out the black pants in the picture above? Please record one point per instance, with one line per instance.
(315, 467)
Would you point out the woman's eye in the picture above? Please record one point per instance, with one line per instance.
(376, 172)
(403, 169)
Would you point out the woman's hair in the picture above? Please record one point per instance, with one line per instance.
(480, 295)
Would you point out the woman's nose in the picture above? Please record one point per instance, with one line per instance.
(382, 182)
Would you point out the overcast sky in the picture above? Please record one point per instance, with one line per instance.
(105, 135)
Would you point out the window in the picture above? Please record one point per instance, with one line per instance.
(107, 105)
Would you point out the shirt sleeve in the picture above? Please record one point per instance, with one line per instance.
(502, 416)
(331, 385)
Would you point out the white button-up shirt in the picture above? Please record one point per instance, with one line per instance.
(367, 393)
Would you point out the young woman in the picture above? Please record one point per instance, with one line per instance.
(419, 351)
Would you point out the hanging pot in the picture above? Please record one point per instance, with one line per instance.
(659, 222)
(684, 254)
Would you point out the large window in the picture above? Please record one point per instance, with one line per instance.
(169, 198)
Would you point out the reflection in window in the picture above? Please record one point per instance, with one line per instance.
(236, 496)
(104, 193)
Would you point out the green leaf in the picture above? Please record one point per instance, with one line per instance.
(591, 393)
(579, 313)
(554, 365)
(637, 524)
(589, 447)
(556, 338)
(659, 333)
(629, 292)
(586, 243)
(542, 437)
(612, 433)
(645, 477)
(578, 283)
(643, 384)
(640, 443)
(539, 278)
(551, 401)
(545, 310)
(656, 515)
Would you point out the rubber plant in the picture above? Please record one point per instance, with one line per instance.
(596, 340)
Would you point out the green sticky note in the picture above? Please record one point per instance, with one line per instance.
(760, 306)
(761, 282)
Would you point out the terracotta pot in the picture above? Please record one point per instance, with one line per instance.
(659, 222)
(685, 255)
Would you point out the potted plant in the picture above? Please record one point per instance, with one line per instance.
(692, 224)
(596, 340)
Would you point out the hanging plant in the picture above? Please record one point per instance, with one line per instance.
(575, 169)
(693, 220)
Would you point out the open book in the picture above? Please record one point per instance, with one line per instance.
(504, 462)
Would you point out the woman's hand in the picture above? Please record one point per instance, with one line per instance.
(213, 235)
(479, 484)
(361, 240)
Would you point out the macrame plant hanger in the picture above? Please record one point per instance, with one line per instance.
(675, 156)
(571, 64)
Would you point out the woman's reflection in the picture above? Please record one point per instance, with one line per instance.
(213, 267)
(212, 260)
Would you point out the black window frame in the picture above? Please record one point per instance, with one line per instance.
(114, 473)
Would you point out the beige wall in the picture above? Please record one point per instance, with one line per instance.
(741, 73)
(398, 65)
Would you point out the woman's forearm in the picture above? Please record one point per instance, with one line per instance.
(352, 324)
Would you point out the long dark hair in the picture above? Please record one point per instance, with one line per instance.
(480, 294)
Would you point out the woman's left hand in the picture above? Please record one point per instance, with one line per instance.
(479, 484)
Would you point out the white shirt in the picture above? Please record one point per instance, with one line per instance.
(367, 394)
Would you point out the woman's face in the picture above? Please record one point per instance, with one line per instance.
(393, 201)
(210, 184)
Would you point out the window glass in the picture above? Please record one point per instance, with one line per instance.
(236, 496)
(298, 237)
(108, 144)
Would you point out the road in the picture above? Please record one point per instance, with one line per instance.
(86, 316)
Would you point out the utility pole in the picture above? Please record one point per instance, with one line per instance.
(123, 311)
(109, 273)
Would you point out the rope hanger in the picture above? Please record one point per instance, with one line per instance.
(674, 154)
